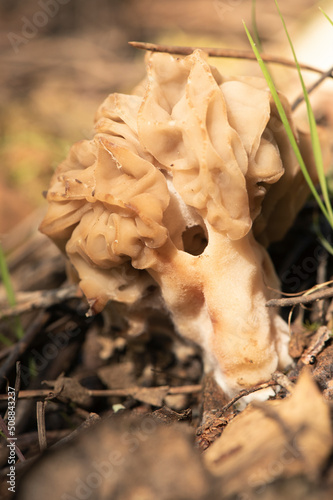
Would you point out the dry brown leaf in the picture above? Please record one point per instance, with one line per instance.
(169, 417)
(69, 389)
(150, 395)
(273, 439)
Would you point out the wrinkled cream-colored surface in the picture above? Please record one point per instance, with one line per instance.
(199, 150)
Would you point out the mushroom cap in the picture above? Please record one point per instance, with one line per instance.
(196, 146)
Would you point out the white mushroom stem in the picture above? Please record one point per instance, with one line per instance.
(217, 299)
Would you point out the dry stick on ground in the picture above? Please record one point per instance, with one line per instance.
(222, 52)
(317, 344)
(37, 393)
(18, 378)
(238, 54)
(303, 299)
(31, 394)
(245, 392)
(40, 410)
(91, 420)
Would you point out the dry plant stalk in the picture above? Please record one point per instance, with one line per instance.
(227, 53)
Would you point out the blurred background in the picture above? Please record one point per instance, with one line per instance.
(60, 59)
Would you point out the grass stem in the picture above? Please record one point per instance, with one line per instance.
(5, 275)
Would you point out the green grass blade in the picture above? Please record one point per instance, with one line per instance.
(4, 273)
(255, 27)
(328, 247)
(6, 278)
(325, 243)
(326, 15)
(313, 128)
(286, 123)
(5, 341)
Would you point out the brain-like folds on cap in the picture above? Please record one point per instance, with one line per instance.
(191, 147)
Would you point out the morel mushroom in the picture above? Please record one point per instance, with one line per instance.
(180, 188)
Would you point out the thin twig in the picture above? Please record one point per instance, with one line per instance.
(92, 419)
(222, 52)
(46, 393)
(31, 394)
(318, 341)
(303, 299)
(41, 425)
(312, 87)
(18, 378)
(246, 392)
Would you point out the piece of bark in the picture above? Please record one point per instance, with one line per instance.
(323, 368)
(299, 340)
(317, 344)
(213, 422)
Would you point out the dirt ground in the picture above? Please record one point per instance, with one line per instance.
(103, 415)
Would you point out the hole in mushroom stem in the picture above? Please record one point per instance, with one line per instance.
(195, 240)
